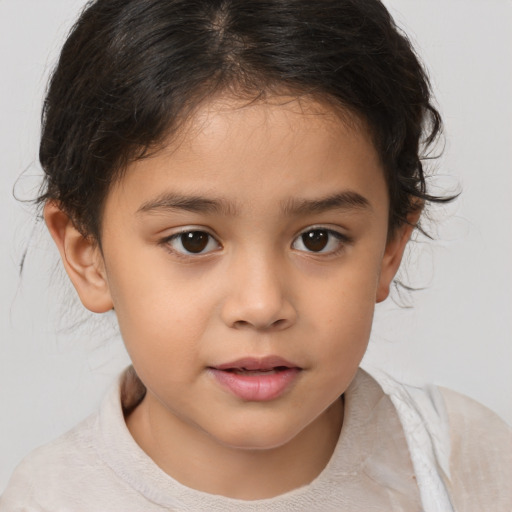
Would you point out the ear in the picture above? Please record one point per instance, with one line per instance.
(82, 259)
(393, 254)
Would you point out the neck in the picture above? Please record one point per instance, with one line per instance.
(246, 474)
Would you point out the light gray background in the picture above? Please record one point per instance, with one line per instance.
(54, 370)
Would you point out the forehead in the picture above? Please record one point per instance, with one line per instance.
(284, 119)
(260, 153)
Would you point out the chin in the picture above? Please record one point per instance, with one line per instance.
(257, 437)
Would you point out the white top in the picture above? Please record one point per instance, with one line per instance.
(400, 449)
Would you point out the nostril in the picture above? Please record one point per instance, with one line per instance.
(241, 323)
(278, 324)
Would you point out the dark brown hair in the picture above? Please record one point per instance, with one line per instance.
(132, 70)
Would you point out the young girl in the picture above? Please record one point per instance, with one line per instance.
(238, 181)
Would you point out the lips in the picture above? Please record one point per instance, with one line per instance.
(268, 363)
(256, 379)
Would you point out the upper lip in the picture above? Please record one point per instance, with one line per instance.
(256, 363)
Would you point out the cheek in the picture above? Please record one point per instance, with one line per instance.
(346, 297)
(341, 312)
(161, 317)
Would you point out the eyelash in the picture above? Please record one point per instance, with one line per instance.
(167, 242)
(342, 240)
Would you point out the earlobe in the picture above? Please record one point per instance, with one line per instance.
(82, 260)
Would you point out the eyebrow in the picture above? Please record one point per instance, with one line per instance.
(346, 200)
(170, 201)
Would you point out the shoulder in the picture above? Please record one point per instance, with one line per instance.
(60, 475)
(455, 443)
(85, 469)
(480, 456)
(53, 466)
(470, 418)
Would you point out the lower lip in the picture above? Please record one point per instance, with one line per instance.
(257, 388)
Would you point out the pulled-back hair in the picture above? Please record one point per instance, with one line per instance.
(132, 70)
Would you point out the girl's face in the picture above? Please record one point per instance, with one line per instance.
(244, 263)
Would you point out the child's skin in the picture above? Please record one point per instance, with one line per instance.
(255, 178)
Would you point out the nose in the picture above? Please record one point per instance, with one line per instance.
(258, 296)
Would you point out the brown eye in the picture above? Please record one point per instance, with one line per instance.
(315, 240)
(195, 241)
(320, 241)
(192, 242)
